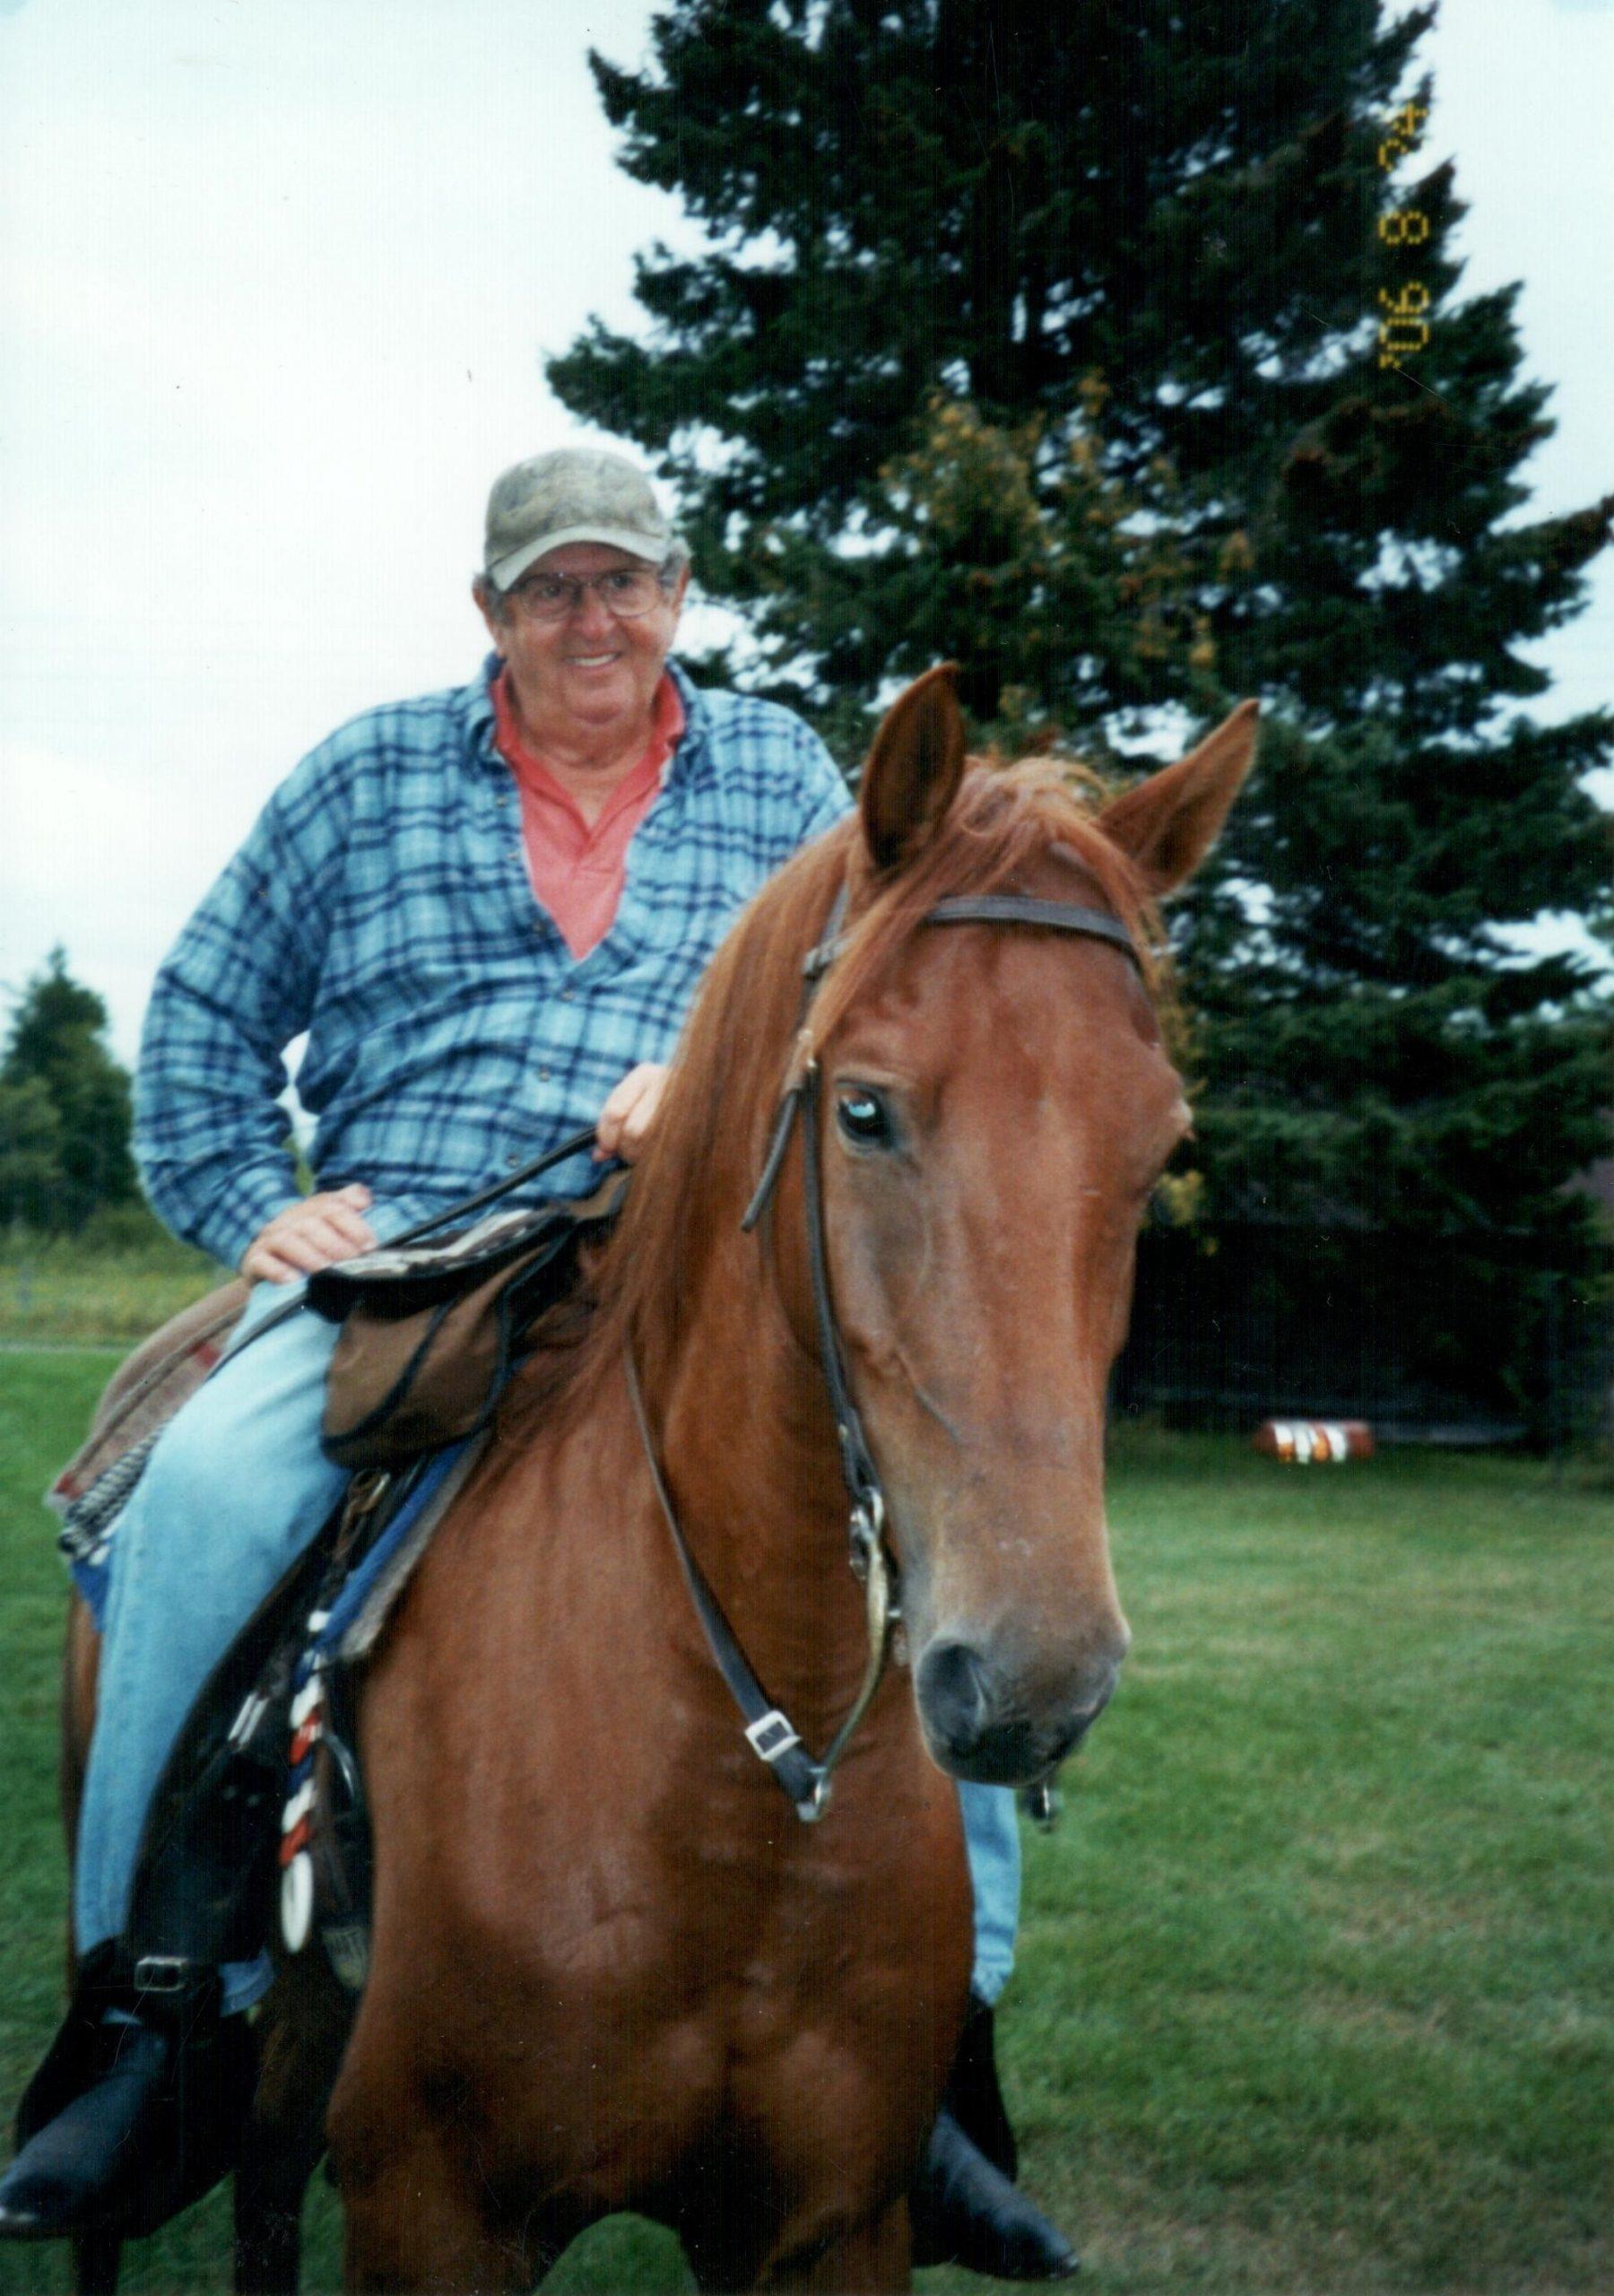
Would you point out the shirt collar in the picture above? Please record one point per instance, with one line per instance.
(478, 700)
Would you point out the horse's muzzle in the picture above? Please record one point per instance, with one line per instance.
(980, 1724)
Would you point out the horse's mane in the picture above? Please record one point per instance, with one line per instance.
(740, 1047)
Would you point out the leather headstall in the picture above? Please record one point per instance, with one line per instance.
(771, 1733)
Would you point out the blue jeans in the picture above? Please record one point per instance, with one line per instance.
(230, 1496)
(992, 1836)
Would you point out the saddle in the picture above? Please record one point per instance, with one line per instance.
(164, 1372)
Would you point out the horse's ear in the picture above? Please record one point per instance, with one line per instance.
(913, 769)
(1169, 822)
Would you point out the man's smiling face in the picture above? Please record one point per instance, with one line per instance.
(590, 668)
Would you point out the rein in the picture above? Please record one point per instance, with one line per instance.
(572, 1146)
(769, 1732)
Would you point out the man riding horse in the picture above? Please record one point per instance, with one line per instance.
(488, 908)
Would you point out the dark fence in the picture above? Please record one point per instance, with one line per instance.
(1429, 1345)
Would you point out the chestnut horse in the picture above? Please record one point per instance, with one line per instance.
(612, 1967)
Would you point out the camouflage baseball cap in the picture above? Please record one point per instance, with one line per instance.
(573, 494)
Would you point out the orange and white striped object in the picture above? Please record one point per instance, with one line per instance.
(1314, 1442)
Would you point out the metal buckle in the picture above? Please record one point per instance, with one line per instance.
(867, 1527)
(772, 1734)
(1041, 1801)
(161, 1974)
(816, 1802)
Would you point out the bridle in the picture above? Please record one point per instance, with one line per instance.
(769, 1732)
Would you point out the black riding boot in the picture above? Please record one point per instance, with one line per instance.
(963, 2203)
(137, 2107)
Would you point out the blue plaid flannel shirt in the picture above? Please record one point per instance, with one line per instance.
(382, 904)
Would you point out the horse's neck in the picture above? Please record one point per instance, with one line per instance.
(748, 1452)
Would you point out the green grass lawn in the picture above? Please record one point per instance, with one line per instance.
(1318, 1977)
(112, 1286)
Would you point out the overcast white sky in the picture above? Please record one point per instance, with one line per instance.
(277, 277)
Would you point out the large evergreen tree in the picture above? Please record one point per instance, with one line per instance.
(64, 1116)
(1118, 348)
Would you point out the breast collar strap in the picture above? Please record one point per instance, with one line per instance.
(770, 1733)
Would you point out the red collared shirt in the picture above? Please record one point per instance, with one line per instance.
(578, 866)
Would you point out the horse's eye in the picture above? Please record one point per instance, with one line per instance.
(863, 1117)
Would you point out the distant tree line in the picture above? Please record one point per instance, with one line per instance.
(65, 1114)
(1116, 350)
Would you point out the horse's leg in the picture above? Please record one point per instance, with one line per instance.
(875, 2257)
(268, 2232)
(301, 2034)
(422, 2223)
(415, 2197)
(271, 2179)
(872, 2256)
(96, 2257)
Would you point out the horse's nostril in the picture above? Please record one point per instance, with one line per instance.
(954, 1697)
(1097, 1693)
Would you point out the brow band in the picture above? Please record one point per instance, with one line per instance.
(1024, 908)
(989, 908)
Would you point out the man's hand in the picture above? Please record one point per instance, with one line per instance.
(625, 1118)
(313, 1234)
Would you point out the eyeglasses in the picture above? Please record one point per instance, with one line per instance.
(625, 591)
